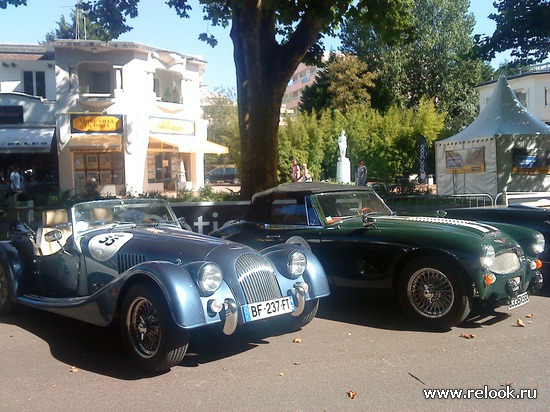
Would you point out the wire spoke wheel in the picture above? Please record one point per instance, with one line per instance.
(431, 293)
(145, 330)
(434, 292)
(152, 338)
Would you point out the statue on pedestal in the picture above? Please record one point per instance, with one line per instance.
(343, 144)
(343, 170)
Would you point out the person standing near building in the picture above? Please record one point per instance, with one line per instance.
(305, 176)
(361, 175)
(295, 171)
(15, 180)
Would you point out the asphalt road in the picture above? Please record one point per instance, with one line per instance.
(359, 354)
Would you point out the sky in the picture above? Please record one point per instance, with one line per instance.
(157, 25)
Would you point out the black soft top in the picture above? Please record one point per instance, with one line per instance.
(260, 209)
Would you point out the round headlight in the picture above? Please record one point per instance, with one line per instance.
(297, 263)
(487, 258)
(209, 278)
(539, 244)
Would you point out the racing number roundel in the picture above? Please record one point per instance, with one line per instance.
(103, 247)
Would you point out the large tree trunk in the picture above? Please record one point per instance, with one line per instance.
(263, 70)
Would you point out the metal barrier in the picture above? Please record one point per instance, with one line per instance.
(512, 197)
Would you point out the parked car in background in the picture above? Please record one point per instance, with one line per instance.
(129, 261)
(531, 214)
(222, 175)
(437, 267)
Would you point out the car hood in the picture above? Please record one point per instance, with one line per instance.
(157, 243)
(417, 225)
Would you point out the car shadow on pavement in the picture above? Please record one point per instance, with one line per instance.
(100, 349)
(384, 312)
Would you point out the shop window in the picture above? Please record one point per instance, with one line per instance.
(95, 79)
(34, 83)
(101, 168)
(167, 86)
(521, 94)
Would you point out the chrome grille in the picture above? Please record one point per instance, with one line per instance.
(126, 261)
(257, 278)
(505, 263)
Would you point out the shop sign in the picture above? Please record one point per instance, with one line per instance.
(11, 114)
(171, 126)
(111, 123)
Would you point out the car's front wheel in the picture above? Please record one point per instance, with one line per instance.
(5, 291)
(153, 340)
(434, 294)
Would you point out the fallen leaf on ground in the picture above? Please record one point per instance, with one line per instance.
(74, 369)
(351, 394)
(520, 323)
(297, 363)
(281, 374)
(297, 340)
(529, 315)
(467, 335)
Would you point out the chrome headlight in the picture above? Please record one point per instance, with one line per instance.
(538, 244)
(297, 263)
(487, 258)
(209, 278)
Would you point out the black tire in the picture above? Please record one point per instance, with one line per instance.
(298, 322)
(153, 340)
(6, 304)
(434, 294)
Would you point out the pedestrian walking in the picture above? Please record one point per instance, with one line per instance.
(361, 175)
(295, 171)
(305, 176)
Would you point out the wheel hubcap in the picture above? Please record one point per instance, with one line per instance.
(430, 293)
(144, 327)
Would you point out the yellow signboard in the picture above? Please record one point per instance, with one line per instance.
(171, 126)
(96, 123)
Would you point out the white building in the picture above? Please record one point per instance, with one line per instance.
(126, 115)
(532, 89)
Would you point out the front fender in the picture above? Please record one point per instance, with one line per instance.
(314, 275)
(179, 288)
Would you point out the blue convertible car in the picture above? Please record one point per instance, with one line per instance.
(130, 261)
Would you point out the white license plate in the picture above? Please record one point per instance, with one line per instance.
(522, 299)
(268, 308)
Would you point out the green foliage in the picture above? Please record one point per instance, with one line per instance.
(342, 84)
(436, 61)
(386, 142)
(522, 26)
(80, 27)
(223, 126)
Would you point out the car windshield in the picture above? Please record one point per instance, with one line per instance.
(339, 205)
(98, 214)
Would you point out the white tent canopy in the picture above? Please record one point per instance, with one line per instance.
(505, 148)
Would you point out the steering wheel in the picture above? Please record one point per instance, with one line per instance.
(151, 218)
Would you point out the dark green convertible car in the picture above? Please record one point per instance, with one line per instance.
(438, 267)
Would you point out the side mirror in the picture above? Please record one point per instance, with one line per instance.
(53, 235)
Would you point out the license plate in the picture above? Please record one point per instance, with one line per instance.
(522, 299)
(268, 308)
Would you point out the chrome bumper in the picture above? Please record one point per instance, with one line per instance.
(230, 312)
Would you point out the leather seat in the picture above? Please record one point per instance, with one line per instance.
(53, 219)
